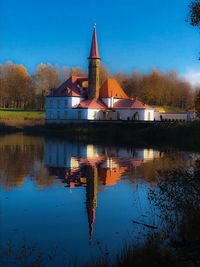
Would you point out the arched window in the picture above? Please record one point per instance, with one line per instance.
(65, 114)
(136, 116)
(66, 103)
(79, 115)
(58, 103)
(118, 115)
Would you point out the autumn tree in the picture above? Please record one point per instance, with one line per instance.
(157, 88)
(104, 73)
(77, 71)
(131, 83)
(16, 87)
(45, 78)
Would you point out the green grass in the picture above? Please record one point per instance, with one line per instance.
(12, 117)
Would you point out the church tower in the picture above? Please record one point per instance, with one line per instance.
(94, 68)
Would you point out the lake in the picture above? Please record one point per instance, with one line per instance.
(79, 201)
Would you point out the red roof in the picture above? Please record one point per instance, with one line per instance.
(130, 103)
(94, 52)
(92, 104)
(71, 87)
(111, 88)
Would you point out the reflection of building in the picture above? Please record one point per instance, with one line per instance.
(92, 166)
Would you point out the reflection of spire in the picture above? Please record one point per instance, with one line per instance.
(91, 196)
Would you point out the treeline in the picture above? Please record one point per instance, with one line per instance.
(21, 90)
(158, 88)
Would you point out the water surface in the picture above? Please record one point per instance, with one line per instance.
(80, 200)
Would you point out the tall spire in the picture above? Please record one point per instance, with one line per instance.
(94, 68)
(94, 52)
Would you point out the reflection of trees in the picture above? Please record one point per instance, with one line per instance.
(178, 197)
(149, 170)
(40, 175)
(18, 154)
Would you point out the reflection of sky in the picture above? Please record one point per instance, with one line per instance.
(56, 215)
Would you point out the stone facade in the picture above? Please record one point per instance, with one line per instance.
(93, 77)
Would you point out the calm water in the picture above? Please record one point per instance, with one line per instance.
(78, 199)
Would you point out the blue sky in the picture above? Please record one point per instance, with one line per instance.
(132, 34)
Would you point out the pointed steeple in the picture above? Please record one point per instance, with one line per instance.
(94, 68)
(94, 52)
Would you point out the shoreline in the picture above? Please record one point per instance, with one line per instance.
(158, 134)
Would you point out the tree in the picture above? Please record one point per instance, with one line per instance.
(104, 74)
(157, 88)
(77, 71)
(45, 78)
(194, 13)
(16, 88)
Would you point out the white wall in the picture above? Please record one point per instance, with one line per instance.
(172, 116)
(124, 114)
(60, 108)
(93, 114)
(144, 115)
(149, 115)
(106, 101)
(76, 101)
(109, 101)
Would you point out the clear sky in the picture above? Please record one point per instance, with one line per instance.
(132, 34)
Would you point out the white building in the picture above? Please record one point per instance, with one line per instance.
(83, 99)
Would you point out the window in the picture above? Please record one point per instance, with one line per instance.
(79, 115)
(66, 103)
(58, 114)
(65, 114)
(136, 116)
(50, 114)
(58, 103)
(95, 115)
(149, 116)
(51, 103)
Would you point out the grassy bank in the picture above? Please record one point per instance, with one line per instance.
(21, 118)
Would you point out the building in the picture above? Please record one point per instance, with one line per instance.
(84, 99)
